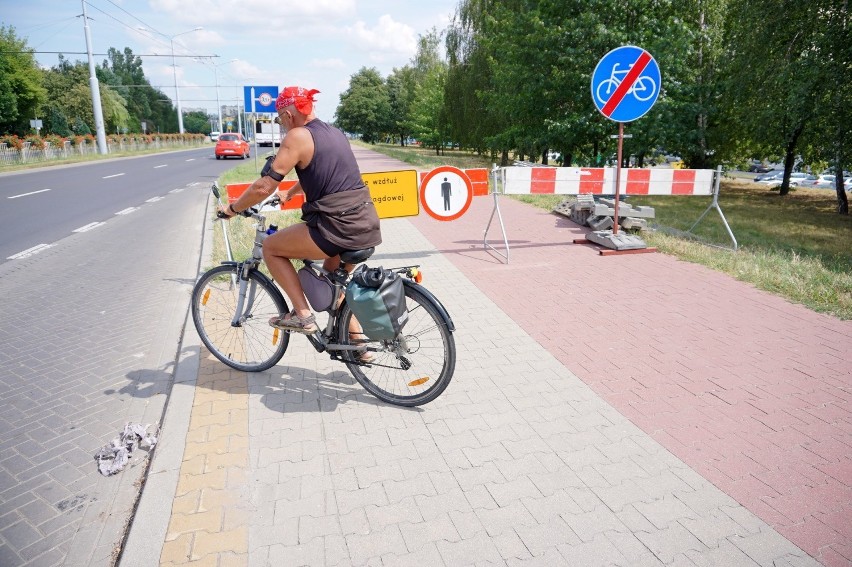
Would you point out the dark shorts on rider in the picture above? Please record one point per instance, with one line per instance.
(329, 248)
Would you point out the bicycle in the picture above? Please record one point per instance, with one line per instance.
(639, 86)
(232, 303)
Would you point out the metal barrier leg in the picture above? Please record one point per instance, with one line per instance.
(485, 243)
(715, 205)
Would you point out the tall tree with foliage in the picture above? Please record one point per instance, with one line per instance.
(197, 122)
(21, 91)
(470, 75)
(67, 86)
(365, 106)
(830, 137)
(428, 120)
(123, 71)
(774, 77)
(401, 86)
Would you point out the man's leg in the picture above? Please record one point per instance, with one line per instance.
(291, 242)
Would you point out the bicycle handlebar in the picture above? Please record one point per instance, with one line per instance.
(274, 200)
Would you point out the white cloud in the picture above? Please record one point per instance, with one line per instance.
(388, 37)
(331, 63)
(284, 16)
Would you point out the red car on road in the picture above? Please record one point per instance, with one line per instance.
(232, 145)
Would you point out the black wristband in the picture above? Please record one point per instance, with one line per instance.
(233, 210)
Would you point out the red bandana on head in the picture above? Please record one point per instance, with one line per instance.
(301, 97)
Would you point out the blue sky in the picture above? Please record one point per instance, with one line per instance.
(313, 43)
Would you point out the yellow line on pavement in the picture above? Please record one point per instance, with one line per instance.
(209, 522)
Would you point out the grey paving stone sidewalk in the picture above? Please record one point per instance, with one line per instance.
(89, 333)
(518, 462)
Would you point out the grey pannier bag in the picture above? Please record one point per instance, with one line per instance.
(377, 298)
(318, 289)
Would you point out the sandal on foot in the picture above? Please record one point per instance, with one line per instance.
(292, 322)
(362, 355)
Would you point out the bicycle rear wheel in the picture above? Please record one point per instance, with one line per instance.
(411, 370)
(250, 345)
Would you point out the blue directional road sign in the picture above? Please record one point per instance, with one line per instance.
(626, 83)
(264, 99)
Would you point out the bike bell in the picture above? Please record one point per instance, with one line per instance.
(273, 228)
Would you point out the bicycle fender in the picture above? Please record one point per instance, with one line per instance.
(431, 297)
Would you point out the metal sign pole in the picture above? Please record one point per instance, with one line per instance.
(618, 177)
(254, 129)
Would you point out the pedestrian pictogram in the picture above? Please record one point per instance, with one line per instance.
(626, 83)
(446, 193)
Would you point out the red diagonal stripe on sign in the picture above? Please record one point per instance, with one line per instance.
(625, 85)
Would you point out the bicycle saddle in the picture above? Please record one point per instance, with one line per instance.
(356, 256)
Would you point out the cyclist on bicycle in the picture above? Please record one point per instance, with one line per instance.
(338, 212)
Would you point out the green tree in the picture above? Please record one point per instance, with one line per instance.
(365, 106)
(400, 86)
(57, 122)
(197, 122)
(21, 90)
(428, 118)
(80, 127)
(123, 71)
(427, 123)
(469, 74)
(773, 77)
(829, 137)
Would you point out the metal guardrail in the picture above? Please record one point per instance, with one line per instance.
(30, 154)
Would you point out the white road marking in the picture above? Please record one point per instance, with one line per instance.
(154, 199)
(159, 166)
(30, 252)
(111, 176)
(126, 211)
(191, 159)
(176, 190)
(89, 227)
(30, 193)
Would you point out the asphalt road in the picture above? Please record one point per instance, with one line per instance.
(42, 206)
(90, 330)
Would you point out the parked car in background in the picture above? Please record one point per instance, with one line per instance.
(232, 145)
(759, 167)
(775, 174)
(797, 178)
(818, 182)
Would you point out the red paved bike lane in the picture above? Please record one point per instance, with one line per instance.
(751, 391)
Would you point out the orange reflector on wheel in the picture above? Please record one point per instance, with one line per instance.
(419, 381)
(206, 297)
(275, 334)
(417, 274)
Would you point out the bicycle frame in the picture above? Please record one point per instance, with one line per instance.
(246, 296)
(325, 339)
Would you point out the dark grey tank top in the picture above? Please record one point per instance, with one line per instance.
(333, 168)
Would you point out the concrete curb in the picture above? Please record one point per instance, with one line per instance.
(144, 543)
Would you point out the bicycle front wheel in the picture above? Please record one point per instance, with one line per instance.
(244, 341)
(414, 368)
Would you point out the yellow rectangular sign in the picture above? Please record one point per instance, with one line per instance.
(395, 193)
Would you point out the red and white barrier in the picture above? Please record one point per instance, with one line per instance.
(601, 181)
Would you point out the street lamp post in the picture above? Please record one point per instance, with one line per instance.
(218, 104)
(174, 69)
(171, 39)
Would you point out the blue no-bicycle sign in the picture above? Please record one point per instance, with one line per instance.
(626, 83)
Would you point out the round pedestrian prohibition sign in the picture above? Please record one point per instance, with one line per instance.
(626, 83)
(446, 193)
